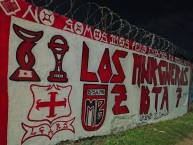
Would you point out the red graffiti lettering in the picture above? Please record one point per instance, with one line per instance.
(120, 77)
(85, 74)
(165, 99)
(145, 69)
(156, 90)
(117, 108)
(58, 126)
(145, 100)
(179, 91)
(104, 70)
(41, 129)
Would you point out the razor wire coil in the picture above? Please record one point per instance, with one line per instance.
(104, 19)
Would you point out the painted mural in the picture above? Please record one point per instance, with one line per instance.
(64, 80)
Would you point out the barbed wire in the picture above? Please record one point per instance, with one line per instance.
(103, 18)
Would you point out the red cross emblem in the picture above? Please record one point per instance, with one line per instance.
(50, 102)
(51, 105)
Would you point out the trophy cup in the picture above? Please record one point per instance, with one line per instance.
(59, 50)
(25, 72)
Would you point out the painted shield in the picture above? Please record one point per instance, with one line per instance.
(94, 106)
(50, 102)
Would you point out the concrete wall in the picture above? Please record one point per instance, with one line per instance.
(61, 79)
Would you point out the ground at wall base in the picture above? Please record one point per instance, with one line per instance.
(174, 132)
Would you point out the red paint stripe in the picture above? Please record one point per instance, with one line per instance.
(4, 38)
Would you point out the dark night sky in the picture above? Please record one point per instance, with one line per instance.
(171, 19)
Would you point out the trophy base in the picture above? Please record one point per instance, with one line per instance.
(57, 77)
(24, 75)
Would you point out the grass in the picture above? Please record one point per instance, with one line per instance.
(162, 133)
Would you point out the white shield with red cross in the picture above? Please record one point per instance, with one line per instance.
(49, 102)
